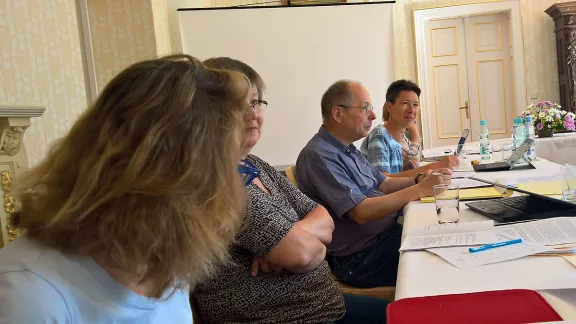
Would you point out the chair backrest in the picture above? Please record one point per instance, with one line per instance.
(291, 174)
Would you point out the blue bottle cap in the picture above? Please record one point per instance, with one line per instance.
(482, 122)
(528, 119)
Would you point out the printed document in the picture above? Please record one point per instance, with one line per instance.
(552, 231)
(444, 235)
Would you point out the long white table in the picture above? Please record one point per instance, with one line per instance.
(421, 273)
(559, 149)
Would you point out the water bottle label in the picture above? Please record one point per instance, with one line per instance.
(484, 150)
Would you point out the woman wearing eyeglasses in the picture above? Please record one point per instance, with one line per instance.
(279, 274)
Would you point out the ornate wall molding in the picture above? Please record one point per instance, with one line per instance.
(14, 120)
(9, 205)
(571, 60)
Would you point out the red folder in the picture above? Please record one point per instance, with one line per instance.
(504, 306)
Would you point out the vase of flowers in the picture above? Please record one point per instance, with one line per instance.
(548, 118)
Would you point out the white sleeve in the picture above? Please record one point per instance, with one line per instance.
(27, 298)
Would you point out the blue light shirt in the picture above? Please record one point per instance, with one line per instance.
(382, 150)
(39, 284)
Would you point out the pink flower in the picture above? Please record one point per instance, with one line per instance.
(547, 103)
(545, 111)
(539, 126)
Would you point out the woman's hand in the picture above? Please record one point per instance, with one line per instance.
(260, 264)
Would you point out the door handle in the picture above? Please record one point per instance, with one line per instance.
(467, 109)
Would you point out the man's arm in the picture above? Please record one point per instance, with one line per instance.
(379, 207)
(450, 161)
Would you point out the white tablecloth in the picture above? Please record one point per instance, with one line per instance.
(559, 149)
(421, 273)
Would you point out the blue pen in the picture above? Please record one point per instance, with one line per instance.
(495, 245)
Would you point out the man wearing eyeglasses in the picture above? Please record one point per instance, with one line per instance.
(363, 202)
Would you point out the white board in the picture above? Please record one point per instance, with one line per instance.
(299, 52)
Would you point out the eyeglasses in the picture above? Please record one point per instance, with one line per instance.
(367, 109)
(247, 172)
(259, 105)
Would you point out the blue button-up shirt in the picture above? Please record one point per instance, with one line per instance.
(382, 150)
(339, 177)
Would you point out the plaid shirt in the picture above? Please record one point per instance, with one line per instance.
(410, 151)
(382, 151)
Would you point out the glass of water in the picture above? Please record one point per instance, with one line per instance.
(569, 188)
(462, 157)
(447, 200)
(502, 152)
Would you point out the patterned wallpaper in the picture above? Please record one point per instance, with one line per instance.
(161, 29)
(122, 33)
(41, 65)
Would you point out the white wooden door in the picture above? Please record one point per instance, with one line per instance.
(468, 64)
(489, 74)
(447, 89)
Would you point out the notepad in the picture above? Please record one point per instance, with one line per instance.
(475, 194)
(543, 188)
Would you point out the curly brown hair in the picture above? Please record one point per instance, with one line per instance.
(148, 174)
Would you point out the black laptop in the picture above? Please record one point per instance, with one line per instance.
(521, 208)
(462, 140)
(508, 164)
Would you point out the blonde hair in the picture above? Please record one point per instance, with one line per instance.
(148, 175)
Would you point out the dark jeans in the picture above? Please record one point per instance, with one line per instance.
(375, 266)
(363, 310)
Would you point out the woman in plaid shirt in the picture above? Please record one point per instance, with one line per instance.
(387, 147)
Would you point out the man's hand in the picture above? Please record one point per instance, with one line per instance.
(440, 176)
(260, 264)
(449, 161)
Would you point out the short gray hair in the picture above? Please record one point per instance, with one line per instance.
(337, 94)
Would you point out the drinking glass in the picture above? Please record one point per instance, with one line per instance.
(569, 187)
(462, 157)
(447, 200)
(501, 152)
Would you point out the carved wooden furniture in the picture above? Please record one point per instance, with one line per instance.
(14, 120)
(564, 15)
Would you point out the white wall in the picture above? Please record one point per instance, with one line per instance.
(299, 52)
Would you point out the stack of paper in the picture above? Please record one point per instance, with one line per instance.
(462, 258)
(444, 235)
(548, 237)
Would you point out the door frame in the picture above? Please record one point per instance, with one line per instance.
(516, 40)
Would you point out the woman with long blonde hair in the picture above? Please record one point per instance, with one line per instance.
(138, 202)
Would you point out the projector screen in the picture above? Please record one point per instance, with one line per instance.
(299, 52)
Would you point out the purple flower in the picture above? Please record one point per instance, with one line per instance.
(539, 126)
(547, 103)
(569, 119)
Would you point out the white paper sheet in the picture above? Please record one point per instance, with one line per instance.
(468, 183)
(451, 228)
(559, 230)
(462, 258)
(543, 178)
(422, 242)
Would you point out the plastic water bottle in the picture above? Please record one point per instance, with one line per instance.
(530, 133)
(518, 133)
(484, 142)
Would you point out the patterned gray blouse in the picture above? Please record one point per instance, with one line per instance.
(232, 295)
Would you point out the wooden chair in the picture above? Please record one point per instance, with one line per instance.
(291, 174)
(386, 293)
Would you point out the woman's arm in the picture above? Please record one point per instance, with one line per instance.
(319, 223)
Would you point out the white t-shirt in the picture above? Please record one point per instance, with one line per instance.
(39, 284)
